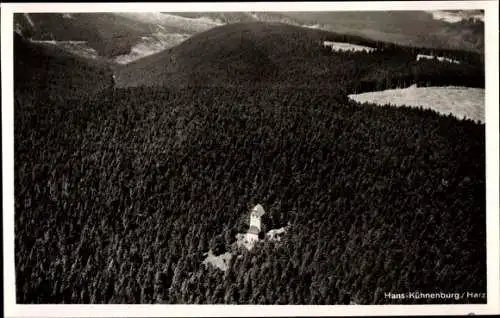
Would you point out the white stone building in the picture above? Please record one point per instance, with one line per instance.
(248, 239)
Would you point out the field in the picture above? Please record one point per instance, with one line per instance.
(119, 192)
(461, 102)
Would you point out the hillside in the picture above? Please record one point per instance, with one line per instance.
(235, 53)
(414, 28)
(53, 73)
(282, 54)
(109, 34)
(50, 85)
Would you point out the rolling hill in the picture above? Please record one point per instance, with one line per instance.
(413, 28)
(51, 71)
(258, 53)
(109, 34)
(128, 36)
(236, 53)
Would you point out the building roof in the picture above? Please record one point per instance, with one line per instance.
(258, 210)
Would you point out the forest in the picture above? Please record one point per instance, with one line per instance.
(275, 54)
(109, 35)
(120, 191)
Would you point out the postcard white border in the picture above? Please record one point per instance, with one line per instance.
(492, 167)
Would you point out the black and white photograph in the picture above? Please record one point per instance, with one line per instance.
(250, 157)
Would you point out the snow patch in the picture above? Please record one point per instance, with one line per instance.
(313, 26)
(455, 17)
(439, 58)
(54, 42)
(458, 101)
(344, 46)
(67, 16)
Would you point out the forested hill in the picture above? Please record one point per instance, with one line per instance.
(55, 91)
(256, 53)
(108, 34)
(381, 199)
(45, 72)
(119, 193)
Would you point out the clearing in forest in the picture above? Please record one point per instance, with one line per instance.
(461, 102)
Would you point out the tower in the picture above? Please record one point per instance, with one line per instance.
(255, 222)
(249, 239)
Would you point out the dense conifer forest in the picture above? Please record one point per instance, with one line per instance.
(120, 191)
(247, 54)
